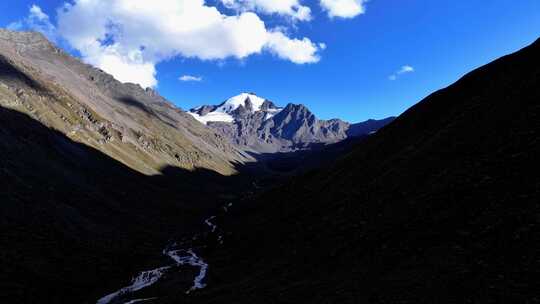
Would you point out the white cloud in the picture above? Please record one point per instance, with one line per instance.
(127, 38)
(36, 12)
(296, 50)
(37, 21)
(191, 78)
(403, 70)
(290, 8)
(126, 67)
(343, 8)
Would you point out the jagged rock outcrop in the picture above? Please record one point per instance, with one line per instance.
(258, 125)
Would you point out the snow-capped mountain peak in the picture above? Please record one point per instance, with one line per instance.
(225, 112)
(257, 124)
(235, 102)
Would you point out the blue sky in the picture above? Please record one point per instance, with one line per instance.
(438, 42)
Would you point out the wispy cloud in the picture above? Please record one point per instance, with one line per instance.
(190, 78)
(37, 21)
(404, 70)
(290, 8)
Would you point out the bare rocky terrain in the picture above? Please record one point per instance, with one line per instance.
(133, 125)
(257, 125)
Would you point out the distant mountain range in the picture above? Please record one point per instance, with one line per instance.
(258, 125)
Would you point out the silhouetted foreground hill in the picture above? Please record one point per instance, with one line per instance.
(440, 206)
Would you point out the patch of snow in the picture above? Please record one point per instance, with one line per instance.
(234, 102)
(223, 112)
(213, 117)
(268, 116)
(271, 113)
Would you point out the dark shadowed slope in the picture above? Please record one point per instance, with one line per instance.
(440, 206)
(79, 213)
(76, 224)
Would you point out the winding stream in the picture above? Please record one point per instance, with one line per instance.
(188, 257)
(144, 279)
(180, 256)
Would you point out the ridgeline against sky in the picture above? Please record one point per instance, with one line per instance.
(351, 59)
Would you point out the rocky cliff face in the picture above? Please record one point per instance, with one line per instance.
(133, 125)
(257, 124)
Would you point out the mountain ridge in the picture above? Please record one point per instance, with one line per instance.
(132, 124)
(258, 125)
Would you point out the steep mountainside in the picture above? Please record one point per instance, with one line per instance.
(258, 125)
(135, 126)
(79, 213)
(76, 223)
(440, 206)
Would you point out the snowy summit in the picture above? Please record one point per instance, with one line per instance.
(226, 112)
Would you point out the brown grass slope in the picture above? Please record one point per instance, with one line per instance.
(135, 126)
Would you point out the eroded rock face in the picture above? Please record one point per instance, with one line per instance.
(133, 125)
(257, 124)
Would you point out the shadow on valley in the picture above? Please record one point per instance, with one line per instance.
(440, 206)
(72, 216)
(286, 164)
(76, 223)
(312, 156)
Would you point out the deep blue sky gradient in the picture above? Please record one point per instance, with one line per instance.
(441, 39)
